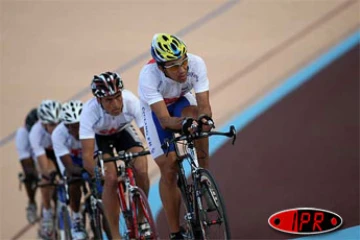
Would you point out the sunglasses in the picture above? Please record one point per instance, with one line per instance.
(175, 67)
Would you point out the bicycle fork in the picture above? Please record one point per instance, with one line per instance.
(187, 195)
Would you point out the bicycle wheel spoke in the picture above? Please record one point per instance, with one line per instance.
(212, 215)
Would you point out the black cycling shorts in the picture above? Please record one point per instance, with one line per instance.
(122, 141)
(50, 154)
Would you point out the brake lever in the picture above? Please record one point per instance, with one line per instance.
(233, 133)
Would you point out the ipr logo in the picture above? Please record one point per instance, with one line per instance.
(305, 221)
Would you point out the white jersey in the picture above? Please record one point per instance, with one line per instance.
(40, 139)
(154, 86)
(64, 143)
(22, 143)
(94, 119)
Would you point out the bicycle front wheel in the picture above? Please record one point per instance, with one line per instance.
(144, 217)
(101, 225)
(66, 221)
(211, 208)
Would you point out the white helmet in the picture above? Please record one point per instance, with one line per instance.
(49, 111)
(70, 111)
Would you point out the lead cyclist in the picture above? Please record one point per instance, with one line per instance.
(165, 85)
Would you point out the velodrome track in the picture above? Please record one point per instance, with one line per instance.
(52, 49)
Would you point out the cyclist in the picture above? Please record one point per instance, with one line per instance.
(106, 119)
(27, 163)
(67, 148)
(165, 86)
(40, 140)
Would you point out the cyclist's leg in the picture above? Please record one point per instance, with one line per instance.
(78, 229)
(141, 170)
(129, 141)
(110, 196)
(30, 181)
(169, 192)
(75, 188)
(31, 176)
(46, 168)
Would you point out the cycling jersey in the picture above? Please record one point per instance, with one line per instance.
(94, 119)
(123, 140)
(154, 86)
(64, 143)
(22, 143)
(40, 139)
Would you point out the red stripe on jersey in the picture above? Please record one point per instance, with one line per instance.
(170, 100)
(151, 61)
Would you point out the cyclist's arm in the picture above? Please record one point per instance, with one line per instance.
(88, 154)
(203, 102)
(43, 164)
(67, 161)
(162, 113)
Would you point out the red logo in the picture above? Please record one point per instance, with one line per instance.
(108, 131)
(305, 221)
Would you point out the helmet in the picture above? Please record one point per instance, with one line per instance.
(166, 47)
(49, 111)
(31, 119)
(106, 84)
(70, 112)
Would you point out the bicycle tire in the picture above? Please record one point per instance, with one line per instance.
(141, 202)
(212, 213)
(101, 224)
(66, 221)
(189, 227)
(88, 216)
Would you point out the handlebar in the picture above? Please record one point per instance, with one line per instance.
(189, 138)
(122, 155)
(126, 156)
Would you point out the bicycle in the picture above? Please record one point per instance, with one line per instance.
(93, 206)
(205, 214)
(62, 220)
(136, 218)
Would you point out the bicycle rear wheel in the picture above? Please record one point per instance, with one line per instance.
(212, 214)
(147, 229)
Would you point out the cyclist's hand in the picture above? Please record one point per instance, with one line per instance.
(189, 126)
(206, 123)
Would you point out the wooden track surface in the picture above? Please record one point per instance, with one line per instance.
(51, 49)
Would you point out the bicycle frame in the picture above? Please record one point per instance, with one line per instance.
(125, 194)
(191, 192)
(126, 190)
